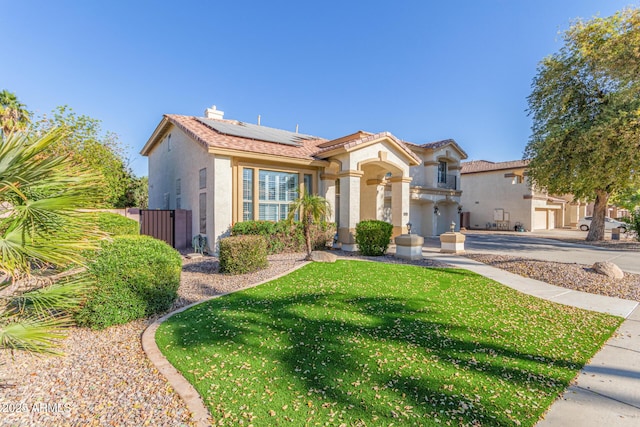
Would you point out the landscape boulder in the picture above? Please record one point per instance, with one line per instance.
(323, 256)
(609, 269)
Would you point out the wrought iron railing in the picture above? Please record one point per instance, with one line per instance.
(448, 181)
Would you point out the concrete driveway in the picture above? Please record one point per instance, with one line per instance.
(526, 245)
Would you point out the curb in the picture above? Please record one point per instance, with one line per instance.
(199, 413)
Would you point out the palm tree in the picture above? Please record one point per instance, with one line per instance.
(40, 234)
(313, 208)
(13, 114)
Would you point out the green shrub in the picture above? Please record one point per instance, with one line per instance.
(134, 277)
(242, 254)
(373, 237)
(634, 223)
(284, 237)
(117, 225)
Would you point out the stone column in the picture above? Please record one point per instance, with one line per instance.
(400, 203)
(328, 183)
(349, 208)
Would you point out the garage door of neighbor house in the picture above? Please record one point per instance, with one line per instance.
(540, 219)
(552, 219)
(171, 226)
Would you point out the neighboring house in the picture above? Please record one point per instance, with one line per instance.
(613, 211)
(226, 171)
(499, 196)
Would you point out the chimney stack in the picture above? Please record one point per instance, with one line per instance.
(213, 113)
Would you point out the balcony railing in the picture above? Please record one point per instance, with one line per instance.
(448, 181)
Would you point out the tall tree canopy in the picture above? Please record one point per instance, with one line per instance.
(13, 114)
(585, 105)
(99, 151)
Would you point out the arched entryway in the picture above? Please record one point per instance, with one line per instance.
(373, 181)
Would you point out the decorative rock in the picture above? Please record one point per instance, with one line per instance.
(608, 269)
(194, 255)
(323, 256)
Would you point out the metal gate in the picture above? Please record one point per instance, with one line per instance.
(158, 224)
(171, 226)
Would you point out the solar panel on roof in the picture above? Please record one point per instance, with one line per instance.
(261, 133)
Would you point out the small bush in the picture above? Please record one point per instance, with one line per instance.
(242, 254)
(116, 225)
(284, 237)
(373, 237)
(134, 277)
(634, 223)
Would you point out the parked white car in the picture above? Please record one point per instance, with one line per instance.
(609, 223)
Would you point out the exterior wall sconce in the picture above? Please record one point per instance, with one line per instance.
(436, 210)
(459, 209)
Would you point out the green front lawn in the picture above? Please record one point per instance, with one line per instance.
(362, 343)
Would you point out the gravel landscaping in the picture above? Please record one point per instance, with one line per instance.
(104, 377)
(578, 277)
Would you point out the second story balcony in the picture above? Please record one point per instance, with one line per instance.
(448, 181)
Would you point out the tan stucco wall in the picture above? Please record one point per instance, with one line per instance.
(425, 194)
(222, 200)
(484, 192)
(184, 161)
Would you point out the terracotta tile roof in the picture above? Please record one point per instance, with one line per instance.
(208, 137)
(438, 144)
(360, 138)
(309, 149)
(476, 166)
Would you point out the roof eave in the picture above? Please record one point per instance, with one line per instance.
(410, 155)
(268, 157)
(155, 136)
(454, 144)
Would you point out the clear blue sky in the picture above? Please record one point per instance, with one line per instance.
(422, 70)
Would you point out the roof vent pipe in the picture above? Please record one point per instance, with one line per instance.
(213, 113)
(258, 119)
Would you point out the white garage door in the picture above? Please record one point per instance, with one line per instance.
(552, 219)
(540, 219)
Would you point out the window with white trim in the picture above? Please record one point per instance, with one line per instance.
(276, 190)
(247, 194)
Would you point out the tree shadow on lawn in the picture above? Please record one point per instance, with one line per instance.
(355, 359)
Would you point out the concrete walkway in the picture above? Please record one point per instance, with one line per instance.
(607, 390)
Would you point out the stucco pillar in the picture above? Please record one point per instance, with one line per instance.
(400, 203)
(328, 183)
(220, 205)
(372, 199)
(349, 208)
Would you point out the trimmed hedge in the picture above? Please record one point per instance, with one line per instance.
(282, 236)
(373, 237)
(116, 225)
(133, 277)
(242, 254)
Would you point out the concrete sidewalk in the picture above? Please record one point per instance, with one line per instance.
(606, 392)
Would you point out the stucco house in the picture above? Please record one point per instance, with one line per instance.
(498, 195)
(226, 171)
